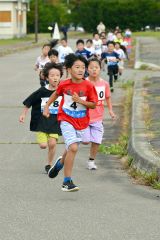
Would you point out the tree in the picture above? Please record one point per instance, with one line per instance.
(48, 13)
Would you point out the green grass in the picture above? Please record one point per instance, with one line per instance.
(129, 83)
(74, 34)
(29, 37)
(146, 34)
(42, 36)
(119, 148)
(144, 178)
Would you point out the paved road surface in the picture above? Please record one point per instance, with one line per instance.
(32, 206)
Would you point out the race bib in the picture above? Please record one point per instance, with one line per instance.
(72, 108)
(101, 95)
(53, 108)
(63, 57)
(111, 59)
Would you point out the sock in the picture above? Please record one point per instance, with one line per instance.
(67, 179)
(59, 165)
(91, 159)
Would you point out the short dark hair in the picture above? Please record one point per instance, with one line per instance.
(80, 41)
(94, 59)
(89, 40)
(53, 52)
(46, 45)
(117, 43)
(95, 34)
(110, 42)
(49, 66)
(64, 39)
(71, 58)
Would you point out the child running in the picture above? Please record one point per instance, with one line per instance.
(78, 96)
(111, 58)
(47, 129)
(41, 61)
(94, 132)
(53, 56)
(122, 57)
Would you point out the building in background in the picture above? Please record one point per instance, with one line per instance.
(13, 15)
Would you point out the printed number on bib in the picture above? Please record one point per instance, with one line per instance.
(74, 105)
(53, 108)
(100, 93)
(73, 109)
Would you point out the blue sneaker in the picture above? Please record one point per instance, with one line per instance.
(69, 186)
(54, 170)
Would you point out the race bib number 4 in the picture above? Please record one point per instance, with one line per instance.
(53, 108)
(72, 108)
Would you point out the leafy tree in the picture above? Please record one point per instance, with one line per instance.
(47, 14)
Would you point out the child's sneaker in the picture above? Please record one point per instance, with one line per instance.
(69, 187)
(91, 165)
(54, 170)
(47, 167)
(112, 89)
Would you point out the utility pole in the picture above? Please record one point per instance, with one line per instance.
(36, 20)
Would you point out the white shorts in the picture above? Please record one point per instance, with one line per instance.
(70, 134)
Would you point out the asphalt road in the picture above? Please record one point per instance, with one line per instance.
(32, 206)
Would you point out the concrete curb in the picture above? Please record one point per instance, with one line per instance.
(139, 148)
(140, 64)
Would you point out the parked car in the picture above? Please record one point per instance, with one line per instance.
(157, 29)
(78, 28)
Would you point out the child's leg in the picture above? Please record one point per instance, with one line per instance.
(110, 73)
(71, 138)
(42, 140)
(115, 70)
(69, 159)
(96, 135)
(51, 150)
(93, 150)
(111, 82)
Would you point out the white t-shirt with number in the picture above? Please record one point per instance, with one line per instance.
(63, 52)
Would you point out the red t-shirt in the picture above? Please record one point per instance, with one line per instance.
(70, 111)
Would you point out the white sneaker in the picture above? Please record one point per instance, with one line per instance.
(91, 165)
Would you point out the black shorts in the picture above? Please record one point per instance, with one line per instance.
(113, 70)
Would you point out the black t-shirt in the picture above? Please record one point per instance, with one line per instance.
(37, 101)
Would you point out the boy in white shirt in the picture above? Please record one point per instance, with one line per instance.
(63, 50)
(89, 46)
(97, 44)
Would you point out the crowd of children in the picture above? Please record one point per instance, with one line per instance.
(74, 108)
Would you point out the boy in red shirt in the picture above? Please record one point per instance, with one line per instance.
(78, 96)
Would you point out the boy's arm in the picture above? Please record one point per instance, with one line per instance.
(52, 98)
(23, 114)
(109, 105)
(87, 104)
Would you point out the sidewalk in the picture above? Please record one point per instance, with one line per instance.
(145, 137)
(147, 53)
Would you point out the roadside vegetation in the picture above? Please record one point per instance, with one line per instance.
(121, 147)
